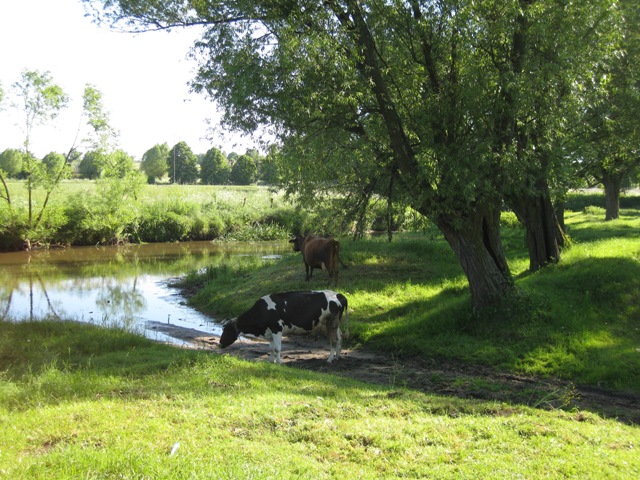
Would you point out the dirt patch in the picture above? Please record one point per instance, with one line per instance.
(431, 375)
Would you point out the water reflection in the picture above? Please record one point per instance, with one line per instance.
(114, 286)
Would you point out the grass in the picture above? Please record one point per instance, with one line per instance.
(76, 215)
(72, 406)
(577, 320)
(77, 401)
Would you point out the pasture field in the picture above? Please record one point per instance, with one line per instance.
(77, 401)
(577, 320)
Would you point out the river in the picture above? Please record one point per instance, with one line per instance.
(123, 286)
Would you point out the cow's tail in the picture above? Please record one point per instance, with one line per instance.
(339, 259)
(334, 261)
(345, 304)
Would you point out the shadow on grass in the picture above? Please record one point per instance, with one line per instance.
(572, 324)
(50, 363)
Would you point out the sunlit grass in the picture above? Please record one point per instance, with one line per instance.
(173, 413)
(77, 401)
(576, 319)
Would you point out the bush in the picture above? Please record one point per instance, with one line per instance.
(162, 222)
(509, 219)
(594, 210)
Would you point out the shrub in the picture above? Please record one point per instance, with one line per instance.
(594, 210)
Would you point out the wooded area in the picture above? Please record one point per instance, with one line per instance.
(451, 108)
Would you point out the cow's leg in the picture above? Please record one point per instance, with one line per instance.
(276, 346)
(306, 269)
(335, 343)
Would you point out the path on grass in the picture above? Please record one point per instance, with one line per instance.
(430, 375)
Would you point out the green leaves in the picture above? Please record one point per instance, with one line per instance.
(183, 164)
(102, 134)
(39, 99)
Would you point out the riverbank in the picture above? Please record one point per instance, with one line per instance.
(78, 214)
(575, 321)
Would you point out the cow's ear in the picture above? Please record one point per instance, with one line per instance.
(293, 240)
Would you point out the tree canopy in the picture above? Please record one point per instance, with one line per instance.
(183, 164)
(214, 168)
(154, 162)
(451, 107)
(609, 149)
(244, 171)
(11, 162)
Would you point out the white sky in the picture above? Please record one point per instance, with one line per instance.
(143, 79)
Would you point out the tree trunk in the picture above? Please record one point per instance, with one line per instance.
(612, 194)
(478, 246)
(543, 229)
(561, 236)
(6, 194)
(559, 212)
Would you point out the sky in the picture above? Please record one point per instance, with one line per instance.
(143, 79)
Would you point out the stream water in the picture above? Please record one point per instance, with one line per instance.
(125, 286)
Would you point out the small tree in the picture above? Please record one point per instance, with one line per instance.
(214, 169)
(91, 165)
(154, 162)
(40, 100)
(244, 171)
(101, 135)
(183, 164)
(118, 188)
(11, 161)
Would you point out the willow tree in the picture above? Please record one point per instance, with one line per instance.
(431, 94)
(609, 149)
(154, 162)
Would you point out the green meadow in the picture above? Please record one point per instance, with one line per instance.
(77, 401)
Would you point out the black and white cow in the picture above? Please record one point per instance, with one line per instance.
(288, 313)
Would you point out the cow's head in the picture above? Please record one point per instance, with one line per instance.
(297, 243)
(229, 334)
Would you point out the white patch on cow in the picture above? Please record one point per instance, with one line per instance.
(271, 305)
(330, 295)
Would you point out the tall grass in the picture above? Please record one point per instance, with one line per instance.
(162, 213)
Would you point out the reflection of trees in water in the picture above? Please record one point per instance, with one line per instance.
(108, 276)
(8, 284)
(6, 303)
(7, 297)
(119, 303)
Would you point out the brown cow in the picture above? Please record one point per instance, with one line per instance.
(318, 252)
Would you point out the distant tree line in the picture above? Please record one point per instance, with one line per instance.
(160, 164)
(180, 165)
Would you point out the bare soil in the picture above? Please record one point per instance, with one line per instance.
(430, 375)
